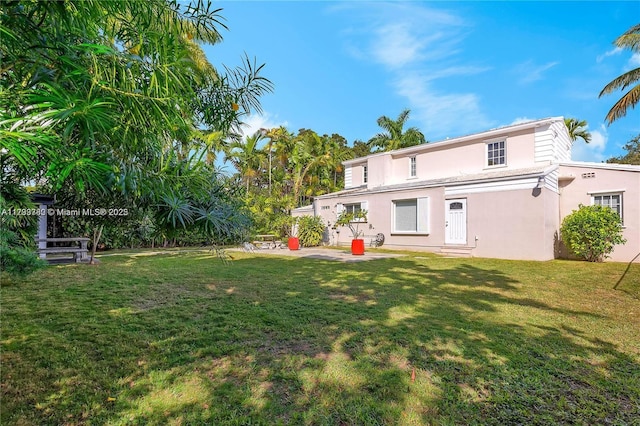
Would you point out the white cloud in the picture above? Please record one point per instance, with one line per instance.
(634, 61)
(520, 120)
(253, 123)
(418, 45)
(446, 114)
(396, 46)
(529, 72)
(612, 52)
(593, 151)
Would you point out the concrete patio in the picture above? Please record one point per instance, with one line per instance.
(334, 254)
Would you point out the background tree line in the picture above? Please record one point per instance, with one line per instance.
(281, 170)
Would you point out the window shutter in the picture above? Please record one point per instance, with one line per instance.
(339, 208)
(423, 215)
(364, 205)
(405, 216)
(348, 175)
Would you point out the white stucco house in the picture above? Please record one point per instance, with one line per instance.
(501, 193)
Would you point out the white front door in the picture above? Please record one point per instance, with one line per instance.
(456, 221)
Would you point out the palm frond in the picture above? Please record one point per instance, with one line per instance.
(619, 109)
(621, 82)
(630, 39)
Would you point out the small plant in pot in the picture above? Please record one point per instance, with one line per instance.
(352, 220)
(293, 242)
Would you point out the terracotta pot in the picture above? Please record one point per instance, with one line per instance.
(293, 243)
(357, 247)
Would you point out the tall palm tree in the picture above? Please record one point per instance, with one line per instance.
(577, 129)
(629, 40)
(394, 136)
(247, 158)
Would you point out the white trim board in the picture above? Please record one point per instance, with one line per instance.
(475, 188)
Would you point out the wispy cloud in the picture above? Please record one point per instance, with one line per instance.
(253, 123)
(418, 45)
(442, 114)
(612, 52)
(520, 120)
(593, 151)
(530, 72)
(397, 46)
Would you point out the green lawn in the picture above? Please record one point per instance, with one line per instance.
(184, 339)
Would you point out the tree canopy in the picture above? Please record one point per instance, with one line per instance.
(394, 136)
(633, 153)
(629, 40)
(104, 101)
(577, 129)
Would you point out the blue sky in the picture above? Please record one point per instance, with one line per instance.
(461, 67)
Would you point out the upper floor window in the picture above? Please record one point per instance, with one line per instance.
(496, 154)
(613, 201)
(412, 167)
(365, 174)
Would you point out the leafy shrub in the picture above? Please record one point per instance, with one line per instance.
(591, 232)
(17, 245)
(310, 231)
(353, 222)
(16, 259)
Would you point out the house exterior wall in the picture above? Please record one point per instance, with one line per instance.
(513, 211)
(445, 160)
(513, 224)
(507, 224)
(590, 180)
(526, 145)
(552, 143)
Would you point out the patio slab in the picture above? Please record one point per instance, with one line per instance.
(333, 254)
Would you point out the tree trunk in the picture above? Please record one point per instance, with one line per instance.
(97, 233)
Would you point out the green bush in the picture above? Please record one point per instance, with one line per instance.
(310, 231)
(16, 259)
(17, 245)
(591, 232)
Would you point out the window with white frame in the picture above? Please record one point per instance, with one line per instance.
(496, 154)
(353, 208)
(611, 200)
(365, 174)
(412, 167)
(411, 216)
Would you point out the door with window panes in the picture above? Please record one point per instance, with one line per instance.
(456, 221)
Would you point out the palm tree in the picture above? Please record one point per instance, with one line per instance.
(393, 136)
(127, 81)
(247, 158)
(577, 129)
(630, 40)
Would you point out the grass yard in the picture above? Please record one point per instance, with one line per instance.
(183, 339)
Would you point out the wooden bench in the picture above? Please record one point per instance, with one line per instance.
(76, 246)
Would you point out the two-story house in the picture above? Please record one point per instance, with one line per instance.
(501, 193)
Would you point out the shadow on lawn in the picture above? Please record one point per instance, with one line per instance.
(336, 344)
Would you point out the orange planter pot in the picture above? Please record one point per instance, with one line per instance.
(293, 243)
(357, 247)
